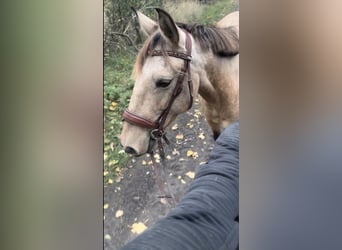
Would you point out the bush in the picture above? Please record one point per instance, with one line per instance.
(184, 11)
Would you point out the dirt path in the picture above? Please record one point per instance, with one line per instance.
(136, 193)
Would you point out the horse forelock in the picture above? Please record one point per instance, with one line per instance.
(150, 44)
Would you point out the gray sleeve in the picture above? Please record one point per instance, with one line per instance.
(207, 216)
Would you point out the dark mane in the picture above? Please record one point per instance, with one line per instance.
(223, 42)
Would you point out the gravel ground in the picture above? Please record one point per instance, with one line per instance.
(133, 197)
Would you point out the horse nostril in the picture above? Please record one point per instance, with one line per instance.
(130, 150)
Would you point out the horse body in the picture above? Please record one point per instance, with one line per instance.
(214, 75)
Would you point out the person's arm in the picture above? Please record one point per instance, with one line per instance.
(207, 216)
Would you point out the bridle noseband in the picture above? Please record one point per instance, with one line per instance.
(157, 127)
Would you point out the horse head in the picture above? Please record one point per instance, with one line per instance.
(163, 86)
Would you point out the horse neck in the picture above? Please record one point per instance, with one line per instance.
(218, 78)
(206, 75)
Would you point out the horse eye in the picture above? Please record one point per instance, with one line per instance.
(163, 83)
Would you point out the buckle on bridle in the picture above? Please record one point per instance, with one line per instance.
(157, 134)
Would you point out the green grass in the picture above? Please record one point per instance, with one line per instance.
(213, 13)
(117, 91)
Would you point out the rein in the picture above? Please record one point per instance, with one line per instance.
(157, 127)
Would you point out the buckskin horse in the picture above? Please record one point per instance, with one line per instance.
(176, 62)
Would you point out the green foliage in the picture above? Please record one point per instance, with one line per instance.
(213, 13)
(121, 31)
(117, 91)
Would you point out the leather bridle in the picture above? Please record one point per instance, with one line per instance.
(157, 127)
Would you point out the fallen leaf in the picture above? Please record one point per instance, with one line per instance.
(182, 181)
(110, 181)
(114, 104)
(189, 153)
(114, 162)
(138, 228)
(174, 127)
(168, 157)
(180, 137)
(105, 173)
(163, 201)
(119, 213)
(106, 206)
(175, 152)
(190, 174)
(190, 125)
(201, 136)
(107, 237)
(143, 162)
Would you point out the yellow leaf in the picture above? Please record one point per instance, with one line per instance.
(180, 137)
(113, 162)
(190, 174)
(105, 173)
(110, 181)
(114, 104)
(106, 206)
(108, 237)
(119, 213)
(182, 181)
(201, 136)
(174, 127)
(190, 125)
(189, 153)
(138, 228)
(143, 162)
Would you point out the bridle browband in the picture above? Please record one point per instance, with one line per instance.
(157, 127)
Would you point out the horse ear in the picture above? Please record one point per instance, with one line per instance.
(168, 26)
(147, 25)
